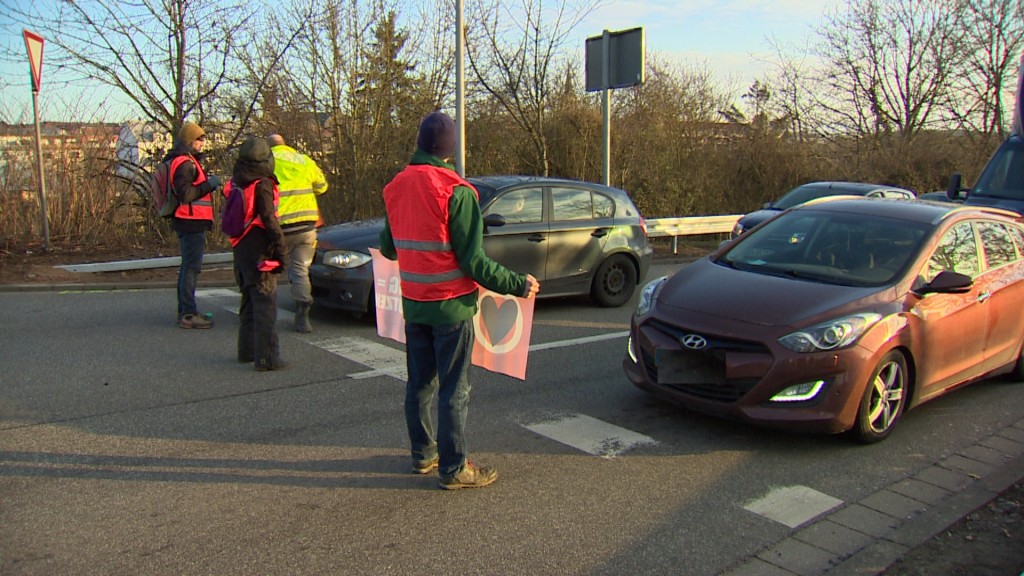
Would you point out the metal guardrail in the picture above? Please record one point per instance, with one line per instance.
(656, 228)
(690, 226)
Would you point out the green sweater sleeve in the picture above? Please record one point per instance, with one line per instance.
(466, 228)
(387, 242)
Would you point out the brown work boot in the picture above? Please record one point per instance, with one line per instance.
(424, 466)
(194, 321)
(471, 476)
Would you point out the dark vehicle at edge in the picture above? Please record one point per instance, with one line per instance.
(576, 238)
(1001, 184)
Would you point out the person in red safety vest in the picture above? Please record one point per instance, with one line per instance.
(192, 219)
(435, 231)
(259, 255)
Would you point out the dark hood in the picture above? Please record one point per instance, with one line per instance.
(1014, 205)
(247, 171)
(360, 235)
(756, 217)
(708, 288)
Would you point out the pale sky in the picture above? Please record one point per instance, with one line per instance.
(729, 37)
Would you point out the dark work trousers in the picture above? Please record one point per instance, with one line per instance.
(257, 316)
(257, 332)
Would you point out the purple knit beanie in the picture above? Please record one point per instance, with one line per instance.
(437, 135)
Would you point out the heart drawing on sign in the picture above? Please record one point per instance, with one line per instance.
(499, 317)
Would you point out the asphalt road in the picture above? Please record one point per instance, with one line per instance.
(129, 446)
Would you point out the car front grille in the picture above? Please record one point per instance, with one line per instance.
(699, 373)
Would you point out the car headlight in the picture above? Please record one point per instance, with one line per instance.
(345, 258)
(648, 294)
(832, 335)
(737, 230)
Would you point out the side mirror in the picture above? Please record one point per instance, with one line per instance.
(947, 282)
(493, 220)
(953, 190)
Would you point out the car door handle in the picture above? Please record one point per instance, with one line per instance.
(599, 233)
(984, 296)
(536, 238)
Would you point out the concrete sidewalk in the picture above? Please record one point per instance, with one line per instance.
(868, 536)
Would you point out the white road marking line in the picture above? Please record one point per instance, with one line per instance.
(591, 435)
(382, 360)
(236, 297)
(576, 341)
(217, 293)
(793, 505)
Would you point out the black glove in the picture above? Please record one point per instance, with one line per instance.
(213, 181)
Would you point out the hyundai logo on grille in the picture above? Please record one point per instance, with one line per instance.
(694, 342)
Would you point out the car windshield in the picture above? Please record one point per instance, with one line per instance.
(1004, 175)
(829, 247)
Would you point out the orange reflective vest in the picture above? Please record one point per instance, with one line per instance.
(202, 208)
(417, 206)
(251, 216)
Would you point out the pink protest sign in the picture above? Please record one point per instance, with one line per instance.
(502, 326)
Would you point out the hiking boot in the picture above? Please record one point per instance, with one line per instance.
(302, 324)
(471, 476)
(279, 365)
(194, 321)
(424, 466)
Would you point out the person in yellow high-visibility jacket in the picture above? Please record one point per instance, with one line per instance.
(300, 181)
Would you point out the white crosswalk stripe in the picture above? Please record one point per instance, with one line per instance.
(591, 435)
(793, 505)
(382, 360)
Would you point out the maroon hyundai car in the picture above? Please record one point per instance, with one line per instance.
(839, 315)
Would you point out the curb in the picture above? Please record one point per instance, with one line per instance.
(107, 286)
(866, 537)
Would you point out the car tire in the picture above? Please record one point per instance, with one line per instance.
(614, 282)
(884, 399)
(1018, 369)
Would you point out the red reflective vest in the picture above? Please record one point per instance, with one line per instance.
(250, 207)
(417, 206)
(202, 208)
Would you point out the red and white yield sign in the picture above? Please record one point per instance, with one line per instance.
(34, 44)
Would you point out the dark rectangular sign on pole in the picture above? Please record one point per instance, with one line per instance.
(626, 60)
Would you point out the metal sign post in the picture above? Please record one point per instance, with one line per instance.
(34, 46)
(613, 60)
(460, 88)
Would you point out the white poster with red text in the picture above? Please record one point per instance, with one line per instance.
(502, 325)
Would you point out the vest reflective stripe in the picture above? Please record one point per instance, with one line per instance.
(417, 207)
(299, 180)
(293, 193)
(201, 209)
(251, 216)
(424, 246)
(431, 278)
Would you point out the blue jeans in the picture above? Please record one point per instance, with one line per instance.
(192, 246)
(438, 360)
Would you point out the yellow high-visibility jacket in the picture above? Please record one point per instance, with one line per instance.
(300, 181)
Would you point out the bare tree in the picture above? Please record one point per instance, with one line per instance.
(167, 57)
(888, 64)
(995, 37)
(514, 51)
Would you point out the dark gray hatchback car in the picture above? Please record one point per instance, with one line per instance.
(576, 238)
(814, 190)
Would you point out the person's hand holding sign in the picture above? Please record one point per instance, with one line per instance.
(533, 285)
